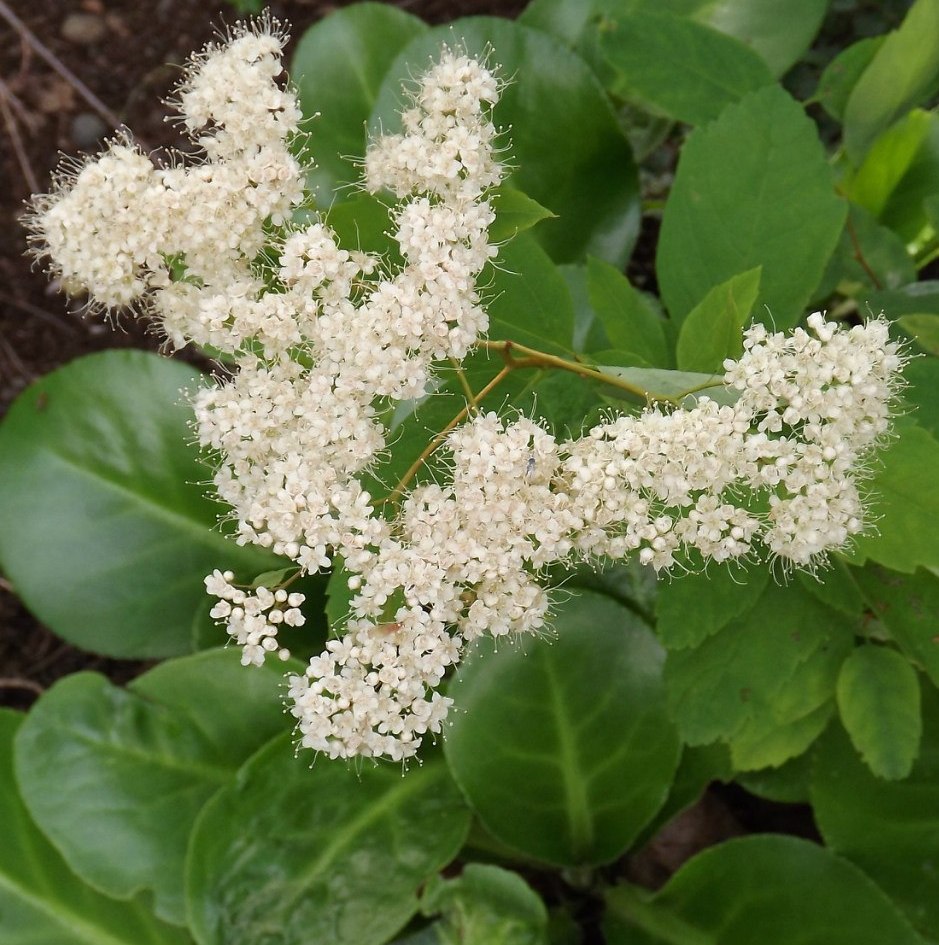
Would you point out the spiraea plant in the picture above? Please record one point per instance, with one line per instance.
(564, 445)
(222, 253)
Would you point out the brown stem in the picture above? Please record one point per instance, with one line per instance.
(858, 254)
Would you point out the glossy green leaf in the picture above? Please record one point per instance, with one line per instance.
(770, 889)
(842, 73)
(879, 702)
(141, 762)
(694, 606)
(629, 318)
(779, 39)
(713, 330)
(907, 605)
(105, 530)
(322, 854)
(678, 67)
(752, 188)
(41, 900)
(568, 151)
(530, 741)
(515, 213)
(924, 328)
(486, 905)
(902, 73)
(888, 828)
(750, 665)
(903, 497)
(899, 174)
(338, 67)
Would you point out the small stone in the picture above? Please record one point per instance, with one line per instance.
(87, 130)
(85, 29)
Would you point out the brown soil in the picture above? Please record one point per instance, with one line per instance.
(127, 53)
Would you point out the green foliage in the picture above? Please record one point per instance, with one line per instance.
(174, 810)
(529, 744)
(124, 531)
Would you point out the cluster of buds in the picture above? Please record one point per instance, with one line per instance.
(324, 336)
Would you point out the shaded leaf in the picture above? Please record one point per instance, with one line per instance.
(924, 328)
(842, 73)
(515, 213)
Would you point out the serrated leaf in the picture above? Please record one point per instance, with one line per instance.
(100, 487)
(515, 213)
(879, 702)
(41, 899)
(691, 608)
(888, 828)
(903, 498)
(629, 318)
(141, 763)
(325, 853)
(772, 889)
(731, 208)
(764, 743)
(713, 330)
(680, 68)
(740, 671)
(924, 328)
(338, 67)
(903, 71)
(568, 152)
(908, 606)
(530, 739)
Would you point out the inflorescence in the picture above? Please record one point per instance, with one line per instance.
(323, 335)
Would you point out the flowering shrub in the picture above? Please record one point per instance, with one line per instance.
(457, 431)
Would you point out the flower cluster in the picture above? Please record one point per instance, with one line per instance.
(325, 337)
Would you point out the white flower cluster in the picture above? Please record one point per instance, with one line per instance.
(324, 336)
(254, 619)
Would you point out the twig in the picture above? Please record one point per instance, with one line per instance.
(31, 309)
(14, 132)
(12, 682)
(859, 256)
(464, 383)
(51, 59)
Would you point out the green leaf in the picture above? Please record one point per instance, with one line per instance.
(569, 152)
(908, 607)
(903, 498)
(105, 531)
(295, 854)
(713, 330)
(878, 698)
(752, 188)
(762, 742)
(515, 213)
(141, 762)
(680, 68)
(693, 607)
(787, 784)
(41, 899)
(780, 39)
(486, 905)
(629, 318)
(770, 889)
(842, 73)
(922, 392)
(671, 385)
(924, 328)
(867, 256)
(903, 72)
(890, 829)
(338, 67)
(364, 223)
(899, 174)
(532, 743)
(749, 666)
